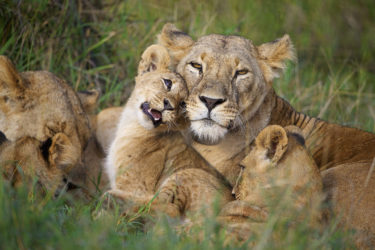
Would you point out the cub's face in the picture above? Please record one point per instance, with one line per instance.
(255, 166)
(278, 158)
(24, 160)
(160, 99)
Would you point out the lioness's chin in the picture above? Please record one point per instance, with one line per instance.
(207, 132)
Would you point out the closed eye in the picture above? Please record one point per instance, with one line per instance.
(167, 83)
(3, 138)
(44, 148)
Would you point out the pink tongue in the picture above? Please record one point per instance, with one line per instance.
(156, 114)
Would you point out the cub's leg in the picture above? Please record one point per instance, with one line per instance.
(128, 203)
(192, 191)
(131, 204)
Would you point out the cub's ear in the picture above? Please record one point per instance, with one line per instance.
(177, 42)
(89, 100)
(62, 153)
(273, 55)
(154, 58)
(274, 139)
(10, 80)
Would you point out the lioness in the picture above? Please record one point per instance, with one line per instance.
(46, 131)
(149, 155)
(231, 100)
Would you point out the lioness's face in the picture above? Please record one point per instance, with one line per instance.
(159, 99)
(227, 78)
(224, 80)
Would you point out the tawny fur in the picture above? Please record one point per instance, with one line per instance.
(46, 129)
(352, 199)
(106, 126)
(248, 104)
(278, 164)
(146, 162)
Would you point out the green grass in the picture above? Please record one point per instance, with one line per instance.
(31, 222)
(97, 44)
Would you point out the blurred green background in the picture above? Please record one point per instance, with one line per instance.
(97, 44)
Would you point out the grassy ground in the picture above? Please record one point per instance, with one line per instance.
(97, 44)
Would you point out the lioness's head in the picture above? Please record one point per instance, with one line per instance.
(227, 76)
(279, 158)
(44, 124)
(159, 93)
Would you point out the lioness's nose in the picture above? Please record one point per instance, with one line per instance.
(211, 102)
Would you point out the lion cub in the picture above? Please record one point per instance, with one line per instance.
(278, 162)
(46, 133)
(149, 158)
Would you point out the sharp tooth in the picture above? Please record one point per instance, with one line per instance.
(157, 119)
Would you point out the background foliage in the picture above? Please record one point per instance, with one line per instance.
(97, 44)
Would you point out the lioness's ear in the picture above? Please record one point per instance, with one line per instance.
(274, 139)
(89, 100)
(273, 55)
(177, 42)
(62, 152)
(154, 58)
(10, 79)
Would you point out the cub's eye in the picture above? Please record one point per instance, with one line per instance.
(241, 72)
(44, 148)
(196, 65)
(182, 105)
(168, 83)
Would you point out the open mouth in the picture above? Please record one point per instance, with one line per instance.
(153, 114)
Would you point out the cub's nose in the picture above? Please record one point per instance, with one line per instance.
(167, 105)
(211, 103)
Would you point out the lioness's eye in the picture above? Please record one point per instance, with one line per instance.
(168, 83)
(196, 65)
(241, 72)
